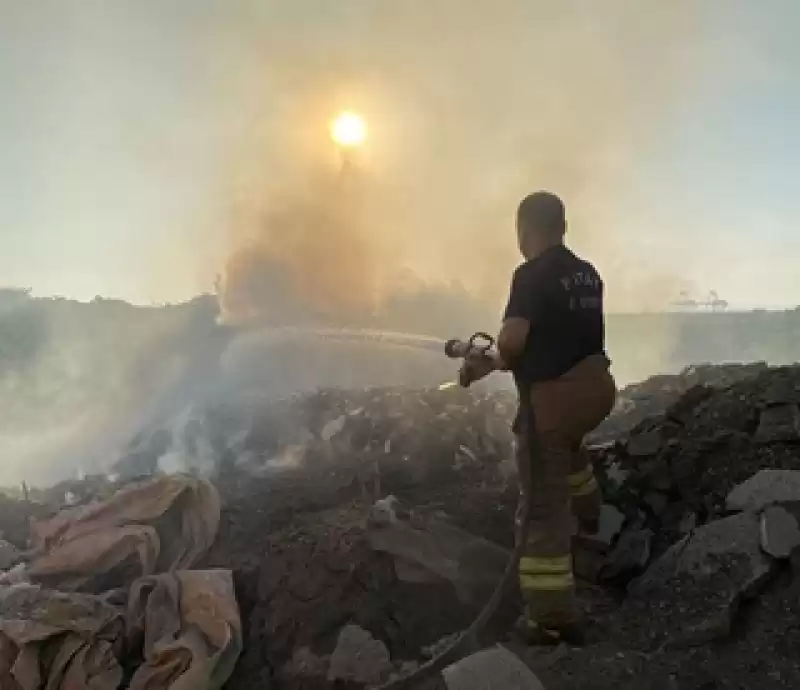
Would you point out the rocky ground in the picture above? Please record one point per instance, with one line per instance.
(696, 585)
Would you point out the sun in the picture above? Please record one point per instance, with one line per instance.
(348, 130)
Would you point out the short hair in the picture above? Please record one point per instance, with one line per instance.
(542, 212)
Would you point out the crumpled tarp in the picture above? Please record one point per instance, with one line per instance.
(189, 625)
(182, 627)
(150, 527)
(55, 641)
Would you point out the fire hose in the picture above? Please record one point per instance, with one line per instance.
(468, 642)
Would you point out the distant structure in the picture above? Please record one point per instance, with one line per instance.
(715, 303)
(686, 303)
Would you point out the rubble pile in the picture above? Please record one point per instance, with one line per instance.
(365, 528)
(388, 438)
(670, 538)
(653, 396)
(673, 472)
(400, 437)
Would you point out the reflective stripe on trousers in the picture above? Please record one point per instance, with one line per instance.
(582, 483)
(546, 580)
(545, 574)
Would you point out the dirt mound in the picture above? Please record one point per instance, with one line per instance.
(305, 569)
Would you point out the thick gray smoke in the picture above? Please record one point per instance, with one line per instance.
(78, 380)
(469, 107)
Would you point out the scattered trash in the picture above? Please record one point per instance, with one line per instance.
(332, 428)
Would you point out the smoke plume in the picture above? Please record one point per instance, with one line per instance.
(469, 107)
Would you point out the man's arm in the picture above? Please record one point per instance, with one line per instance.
(519, 314)
(512, 338)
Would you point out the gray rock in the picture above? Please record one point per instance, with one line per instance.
(697, 555)
(611, 521)
(587, 564)
(359, 657)
(699, 582)
(765, 488)
(657, 501)
(432, 550)
(779, 532)
(644, 444)
(630, 554)
(408, 571)
(9, 555)
(491, 669)
(660, 477)
(779, 423)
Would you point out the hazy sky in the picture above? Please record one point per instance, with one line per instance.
(136, 135)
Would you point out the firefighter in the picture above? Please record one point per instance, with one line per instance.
(553, 341)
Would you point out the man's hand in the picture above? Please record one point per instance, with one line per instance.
(475, 367)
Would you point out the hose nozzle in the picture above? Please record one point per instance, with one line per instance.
(478, 343)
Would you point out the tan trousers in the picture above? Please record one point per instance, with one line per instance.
(561, 483)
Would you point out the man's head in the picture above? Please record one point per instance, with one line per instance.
(541, 223)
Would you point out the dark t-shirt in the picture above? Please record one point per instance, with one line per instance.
(562, 297)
